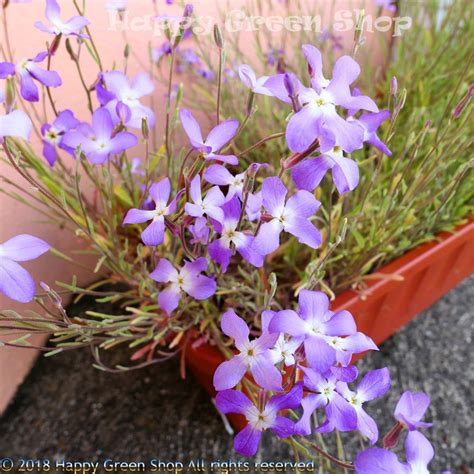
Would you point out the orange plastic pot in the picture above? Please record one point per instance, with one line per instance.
(424, 275)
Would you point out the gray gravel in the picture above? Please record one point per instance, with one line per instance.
(67, 409)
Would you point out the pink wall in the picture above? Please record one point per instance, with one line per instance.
(27, 41)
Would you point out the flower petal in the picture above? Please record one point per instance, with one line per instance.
(236, 328)
(266, 375)
(229, 374)
(169, 299)
(154, 234)
(374, 384)
(191, 127)
(15, 281)
(23, 247)
(164, 272)
(233, 401)
(222, 134)
(247, 441)
(288, 322)
(309, 173)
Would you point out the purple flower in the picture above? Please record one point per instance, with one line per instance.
(53, 135)
(259, 419)
(200, 231)
(253, 355)
(188, 279)
(292, 217)
(249, 79)
(218, 137)
(220, 250)
(210, 205)
(15, 281)
(285, 347)
(309, 173)
(318, 115)
(419, 454)
(373, 385)
(29, 72)
(411, 408)
(99, 141)
(323, 394)
(121, 92)
(220, 175)
(317, 325)
(154, 234)
(15, 124)
(59, 27)
(370, 123)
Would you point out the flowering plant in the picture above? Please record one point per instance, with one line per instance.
(200, 235)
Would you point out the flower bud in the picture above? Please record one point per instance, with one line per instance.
(145, 129)
(393, 86)
(464, 102)
(10, 97)
(218, 36)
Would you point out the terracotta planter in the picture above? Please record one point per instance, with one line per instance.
(428, 272)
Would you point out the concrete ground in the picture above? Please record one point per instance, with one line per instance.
(67, 409)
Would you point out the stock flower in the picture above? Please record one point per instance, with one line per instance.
(59, 27)
(218, 137)
(154, 234)
(187, 279)
(220, 250)
(285, 348)
(210, 205)
(411, 408)
(121, 93)
(318, 114)
(309, 173)
(316, 324)
(29, 72)
(292, 217)
(253, 355)
(340, 414)
(200, 231)
(419, 453)
(99, 141)
(249, 79)
(388, 4)
(373, 385)
(15, 281)
(15, 124)
(370, 123)
(221, 176)
(259, 418)
(53, 135)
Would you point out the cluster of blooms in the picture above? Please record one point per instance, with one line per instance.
(302, 358)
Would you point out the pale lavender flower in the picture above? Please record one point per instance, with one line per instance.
(317, 325)
(253, 355)
(221, 176)
(164, 50)
(318, 115)
(259, 419)
(388, 4)
(200, 231)
(220, 250)
(291, 216)
(121, 91)
(411, 408)
(254, 206)
(73, 26)
(249, 79)
(209, 206)
(218, 137)
(15, 281)
(154, 234)
(370, 123)
(373, 385)
(285, 347)
(419, 453)
(188, 280)
(15, 124)
(136, 167)
(29, 72)
(340, 414)
(99, 141)
(309, 173)
(53, 135)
